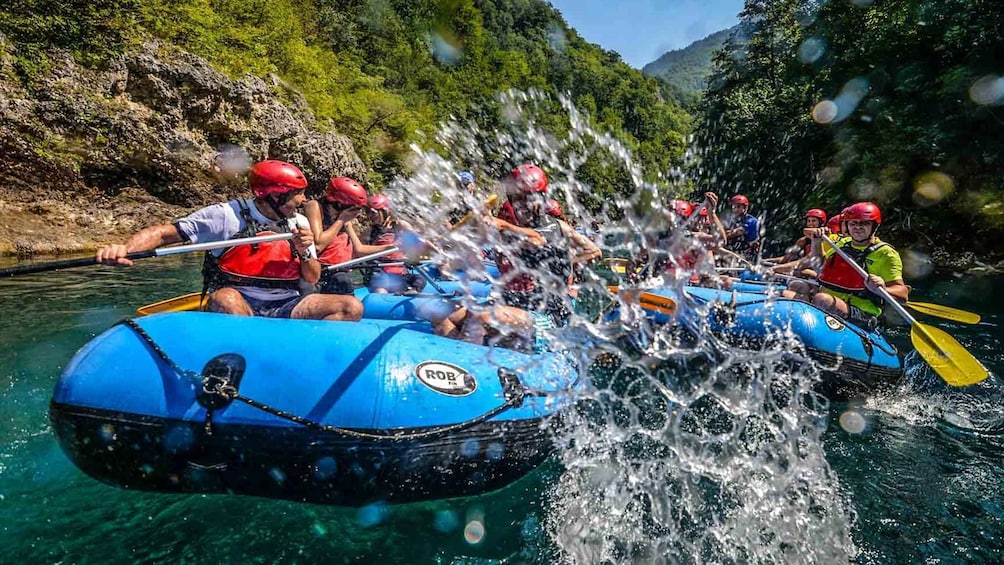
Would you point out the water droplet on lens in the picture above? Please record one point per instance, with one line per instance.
(470, 448)
(852, 422)
(445, 521)
(474, 532)
(988, 91)
(932, 187)
(824, 112)
(371, 515)
(325, 467)
(811, 50)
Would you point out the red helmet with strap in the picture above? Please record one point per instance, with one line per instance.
(740, 199)
(818, 214)
(862, 211)
(379, 202)
(275, 177)
(554, 208)
(529, 178)
(683, 208)
(834, 224)
(346, 191)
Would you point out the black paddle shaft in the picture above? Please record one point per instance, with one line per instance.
(66, 264)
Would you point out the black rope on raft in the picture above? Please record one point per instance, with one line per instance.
(220, 388)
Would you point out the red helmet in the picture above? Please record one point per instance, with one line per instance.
(346, 191)
(817, 213)
(740, 199)
(834, 224)
(529, 178)
(862, 211)
(554, 208)
(379, 202)
(275, 177)
(682, 208)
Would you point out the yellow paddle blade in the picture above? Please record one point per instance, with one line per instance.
(489, 203)
(953, 314)
(183, 303)
(953, 363)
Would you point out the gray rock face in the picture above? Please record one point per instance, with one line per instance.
(156, 134)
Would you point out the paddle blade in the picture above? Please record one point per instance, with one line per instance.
(489, 203)
(953, 362)
(937, 310)
(184, 303)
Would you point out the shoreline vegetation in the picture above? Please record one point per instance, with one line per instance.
(113, 113)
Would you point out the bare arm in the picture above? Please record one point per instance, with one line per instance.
(360, 249)
(584, 249)
(143, 240)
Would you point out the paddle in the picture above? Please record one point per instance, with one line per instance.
(953, 362)
(195, 301)
(650, 301)
(159, 252)
(936, 310)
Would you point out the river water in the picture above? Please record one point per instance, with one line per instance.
(915, 475)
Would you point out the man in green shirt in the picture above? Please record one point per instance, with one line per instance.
(842, 291)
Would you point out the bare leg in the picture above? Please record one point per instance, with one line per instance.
(228, 301)
(447, 323)
(831, 304)
(800, 290)
(332, 307)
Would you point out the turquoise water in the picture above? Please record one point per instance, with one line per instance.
(921, 480)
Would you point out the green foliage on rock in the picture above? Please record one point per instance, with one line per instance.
(896, 101)
(386, 73)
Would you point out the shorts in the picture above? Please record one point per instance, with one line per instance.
(394, 283)
(273, 308)
(860, 318)
(338, 282)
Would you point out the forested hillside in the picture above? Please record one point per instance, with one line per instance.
(382, 73)
(687, 70)
(897, 101)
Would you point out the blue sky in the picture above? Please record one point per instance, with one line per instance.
(642, 30)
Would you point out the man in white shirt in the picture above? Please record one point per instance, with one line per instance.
(262, 279)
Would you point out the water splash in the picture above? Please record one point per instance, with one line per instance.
(680, 449)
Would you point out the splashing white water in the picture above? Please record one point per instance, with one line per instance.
(681, 449)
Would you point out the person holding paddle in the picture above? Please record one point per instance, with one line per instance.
(842, 290)
(384, 233)
(536, 264)
(262, 279)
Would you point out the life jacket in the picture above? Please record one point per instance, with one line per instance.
(339, 250)
(387, 235)
(274, 264)
(553, 257)
(507, 213)
(838, 275)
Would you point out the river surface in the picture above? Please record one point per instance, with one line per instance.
(919, 470)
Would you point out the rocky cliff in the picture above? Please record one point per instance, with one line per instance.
(90, 155)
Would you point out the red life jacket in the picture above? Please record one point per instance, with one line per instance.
(269, 261)
(838, 275)
(265, 265)
(340, 248)
(387, 235)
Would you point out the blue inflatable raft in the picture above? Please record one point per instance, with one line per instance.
(325, 412)
(854, 361)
